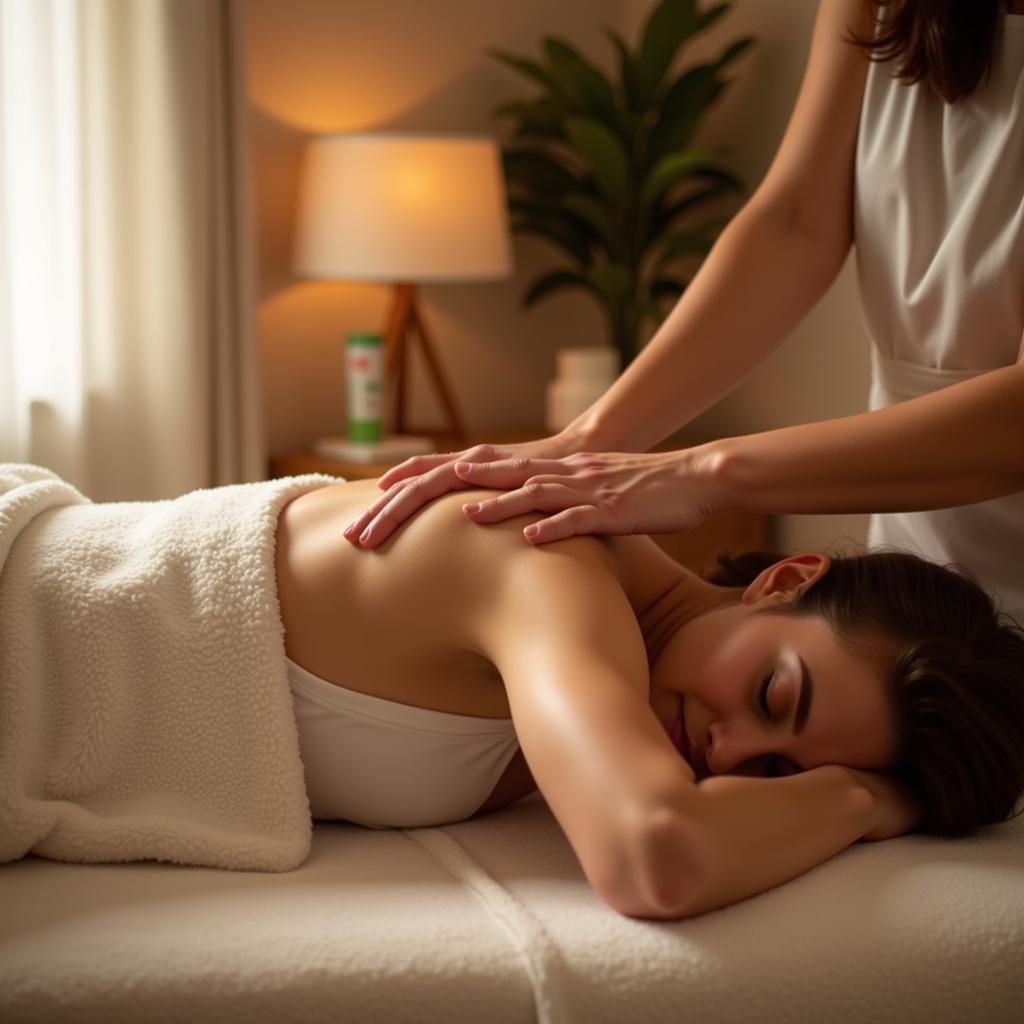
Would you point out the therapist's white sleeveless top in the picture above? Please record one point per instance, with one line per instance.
(939, 227)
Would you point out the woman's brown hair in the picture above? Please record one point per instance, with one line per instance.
(947, 43)
(955, 667)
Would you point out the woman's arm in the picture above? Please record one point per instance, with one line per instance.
(558, 627)
(747, 835)
(651, 841)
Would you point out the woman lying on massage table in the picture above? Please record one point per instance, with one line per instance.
(651, 708)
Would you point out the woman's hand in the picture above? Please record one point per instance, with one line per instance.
(896, 811)
(583, 493)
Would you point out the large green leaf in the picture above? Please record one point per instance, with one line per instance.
(604, 155)
(590, 209)
(683, 106)
(541, 118)
(555, 281)
(614, 281)
(671, 24)
(718, 174)
(688, 243)
(570, 242)
(583, 86)
(652, 311)
(530, 68)
(552, 213)
(629, 71)
(655, 221)
(666, 288)
(539, 171)
(670, 170)
(682, 244)
(666, 217)
(710, 16)
(732, 52)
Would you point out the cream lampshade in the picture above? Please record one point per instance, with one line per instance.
(405, 209)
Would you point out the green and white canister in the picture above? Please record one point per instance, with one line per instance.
(364, 362)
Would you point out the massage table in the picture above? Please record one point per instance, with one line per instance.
(158, 863)
(492, 920)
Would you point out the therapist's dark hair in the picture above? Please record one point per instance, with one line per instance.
(955, 668)
(947, 43)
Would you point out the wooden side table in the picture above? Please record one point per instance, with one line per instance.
(735, 530)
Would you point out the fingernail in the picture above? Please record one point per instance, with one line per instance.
(531, 531)
(364, 536)
(349, 530)
(463, 467)
(471, 507)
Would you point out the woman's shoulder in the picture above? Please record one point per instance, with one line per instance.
(486, 557)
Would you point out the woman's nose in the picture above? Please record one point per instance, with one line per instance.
(730, 744)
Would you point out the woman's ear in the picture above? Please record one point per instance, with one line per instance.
(787, 579)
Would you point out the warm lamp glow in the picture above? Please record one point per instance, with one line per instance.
(394, 207)
(405, 209)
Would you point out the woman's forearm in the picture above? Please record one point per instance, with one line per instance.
(957, 446)
(762, 276)
(741, 836)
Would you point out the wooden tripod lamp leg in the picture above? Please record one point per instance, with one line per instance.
(395, 355)
(445, 393)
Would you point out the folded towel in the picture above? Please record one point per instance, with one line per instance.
(144, 705)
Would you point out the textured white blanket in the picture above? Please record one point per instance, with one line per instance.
(144, 707)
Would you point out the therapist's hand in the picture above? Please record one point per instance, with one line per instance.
(418, 480)
(596, 492)
(583, 493)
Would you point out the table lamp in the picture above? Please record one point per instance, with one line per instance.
(406, 209)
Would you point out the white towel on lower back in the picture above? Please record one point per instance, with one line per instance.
(144, 706)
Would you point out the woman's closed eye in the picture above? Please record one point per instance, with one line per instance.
(772, 766)
(762, 694)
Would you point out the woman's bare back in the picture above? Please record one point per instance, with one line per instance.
(395, 622)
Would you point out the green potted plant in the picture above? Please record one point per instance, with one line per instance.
(604, 169)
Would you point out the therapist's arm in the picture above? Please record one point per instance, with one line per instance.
(771, 264)
(956, 446)
(767, 269)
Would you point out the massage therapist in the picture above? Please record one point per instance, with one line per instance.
(916, 157)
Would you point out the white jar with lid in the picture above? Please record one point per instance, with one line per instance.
(582, 377)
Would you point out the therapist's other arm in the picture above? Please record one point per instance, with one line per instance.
(956, 446)
(960, 445)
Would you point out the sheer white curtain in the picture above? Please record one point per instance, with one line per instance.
(128, 361)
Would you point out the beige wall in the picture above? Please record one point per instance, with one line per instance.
(317, 66)
(343, 65)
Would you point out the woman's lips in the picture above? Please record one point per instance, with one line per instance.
(677, 733)
(681, 739)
